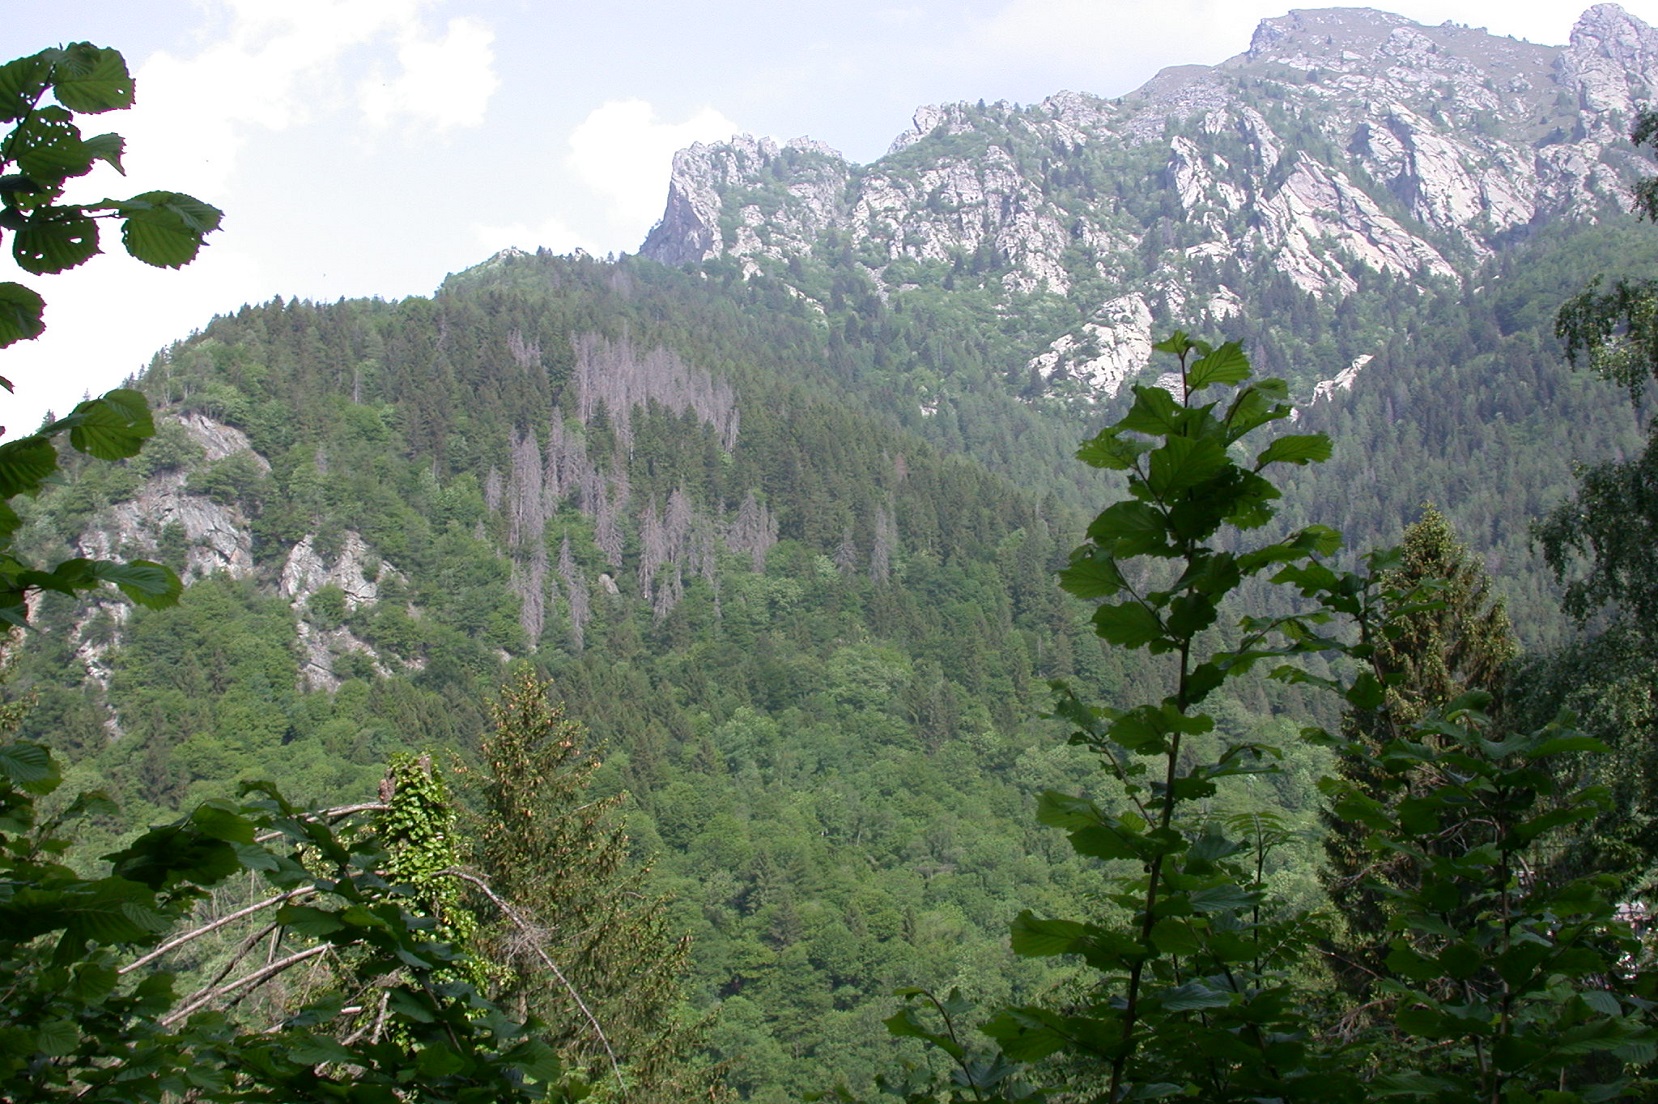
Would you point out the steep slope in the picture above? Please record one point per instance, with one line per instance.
(1343, 146)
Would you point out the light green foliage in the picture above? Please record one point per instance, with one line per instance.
(417, 830)
(94, 1013)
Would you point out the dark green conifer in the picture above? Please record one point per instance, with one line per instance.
(588, 949)
(1449, 635)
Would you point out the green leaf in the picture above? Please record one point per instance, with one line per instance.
(113, 426)
(538, 1060)
(165, 229)
(57, 1038)
(92, 80)
(22, 83)
(107, 147)
(1223, 898)
(20, 315)
(1129, 528)
(1034, 938)
(1111, 451)
(1128, 625)
(1227, 364)
(1599, 1000)
(25, 465)
(309, 921)
(29, 767)
(1058, 810)
(439, 1061)
(147, 583)
(1092, 573)
(315, 1050)
(1295, 448)
(47, 147)
(55, 241)
(1175, 936)
(1182, 463)
(1192, 996)
(1154, 412)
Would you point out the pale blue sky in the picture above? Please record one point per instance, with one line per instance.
(369, 147)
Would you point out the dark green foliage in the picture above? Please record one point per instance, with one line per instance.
(579, 941)
(92, 1015)
(1449, 638)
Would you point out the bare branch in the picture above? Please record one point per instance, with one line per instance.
(206, 929)
(535, 940)
(246, 981)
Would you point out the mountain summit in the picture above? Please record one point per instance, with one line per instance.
(1342, 144)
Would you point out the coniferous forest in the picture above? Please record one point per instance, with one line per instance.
(606, 678)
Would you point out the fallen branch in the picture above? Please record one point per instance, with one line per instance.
(259, 976)
(206, 929)
(536, 938)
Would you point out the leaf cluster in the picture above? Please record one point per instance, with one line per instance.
(92, 1014)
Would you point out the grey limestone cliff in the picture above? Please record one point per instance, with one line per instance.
(1342, 142)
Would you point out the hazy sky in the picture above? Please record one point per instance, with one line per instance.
(369, 147)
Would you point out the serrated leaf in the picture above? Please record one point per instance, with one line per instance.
(57, 1038)
(1601, 1001)
(1058, 810)
(1091, 574)
(1127, 625)
(91, 79)
(55, 241)
(22, 82)
(107, 147)
(309, 921)
(538, 1060)
(1130, 528)
(165, 229)
(1223, 898)
(1182, 463)
(145, 582)
(21, 313)
(29, 767)
(1111, 452)
(113, 426)
(1155, 412)
(25, 465)
(1192, 996)
(1035, 938)
(439, 1061)
(47, 147)
(1175, 936)
(315, 1050)
(1295, 448)
(1227, 364)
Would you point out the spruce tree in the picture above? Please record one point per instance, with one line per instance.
(586, 947)
(1446, 636)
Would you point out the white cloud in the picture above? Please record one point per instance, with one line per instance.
(623, 152)
(262, 68)
(445, 83)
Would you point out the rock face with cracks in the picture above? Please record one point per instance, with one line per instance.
(1341, 144)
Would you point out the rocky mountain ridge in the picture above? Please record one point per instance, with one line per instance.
(1344, 143)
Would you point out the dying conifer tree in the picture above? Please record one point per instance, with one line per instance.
(1453, 636)
(589, 950)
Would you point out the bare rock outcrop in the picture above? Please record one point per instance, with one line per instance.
(1342, 142)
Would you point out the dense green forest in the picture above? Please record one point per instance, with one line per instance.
(822, 698)
(787, 563)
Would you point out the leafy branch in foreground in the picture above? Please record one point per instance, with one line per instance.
(1497, 985)
(40, 96)
(91, 1014)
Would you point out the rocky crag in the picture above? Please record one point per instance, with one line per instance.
(1343, 144)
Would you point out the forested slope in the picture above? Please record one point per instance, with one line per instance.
(809, 614)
